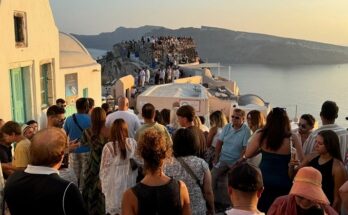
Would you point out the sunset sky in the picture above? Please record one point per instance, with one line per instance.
(317, 20)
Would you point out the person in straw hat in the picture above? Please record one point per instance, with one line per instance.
(306, 196)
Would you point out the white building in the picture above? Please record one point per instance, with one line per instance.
(38, 64)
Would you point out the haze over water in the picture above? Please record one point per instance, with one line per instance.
(305, 86)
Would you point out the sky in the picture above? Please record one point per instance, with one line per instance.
(317, 20)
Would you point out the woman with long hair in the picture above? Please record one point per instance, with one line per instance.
(185, 145)
(274, 142)
(328, 161)
(95, 137)
(156, 193)
(116, 172)
(217, 122)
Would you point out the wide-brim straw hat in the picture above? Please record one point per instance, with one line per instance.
(307, 184)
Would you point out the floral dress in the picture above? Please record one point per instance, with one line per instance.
(116, 174)
(91, 193)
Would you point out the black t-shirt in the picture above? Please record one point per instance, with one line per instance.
(42, 194)
(5, 153)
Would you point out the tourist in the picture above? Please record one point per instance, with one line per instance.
(158, 117)
(186, 115)
(156, 193)
(39, 189)
(74, 126)
(142, 75)
(116, 174)
(305, 126)
(106, 107)
(229, 149)
(245, 187)
(6, 157)
(165, 114)
(91, 104)
(256, 121)
(12, 133)
(217, 122)
(124, 113)
(305, 197)
(43, 118)
(162, 76)
(34, 125)
(95, 137)
(147, 76)
(328, 115)
(28, 131)
(328, 161)
(274, 142)
(55, 119)
(148, 113)
(203, 127)
(157, 76)
(61, 103)
(192, 170)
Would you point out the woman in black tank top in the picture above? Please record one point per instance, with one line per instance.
(157, 193)
(330, 165)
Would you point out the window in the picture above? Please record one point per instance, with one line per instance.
(46, 85)
(20, 29)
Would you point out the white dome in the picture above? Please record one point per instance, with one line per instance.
(73, 53)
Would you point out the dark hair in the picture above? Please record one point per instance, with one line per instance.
(31, 122)
(90, 103)
(153, 148)
(165, 113)
(276, 129)
(309, 119)
(244, 177)
(98, 117)
(106, 107)
(202, 118)
(82, 105)
(60, 100)
(185, 143)
(186, 111)
(329, 110)
(148, 111)
(11, 127)
(55, 110)
(118, 135)
(332, 143)
(158, 117)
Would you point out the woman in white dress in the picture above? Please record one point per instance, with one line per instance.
(116, 174)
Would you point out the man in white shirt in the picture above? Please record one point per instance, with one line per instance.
(130, 118)
(328, 115)
(245, 186)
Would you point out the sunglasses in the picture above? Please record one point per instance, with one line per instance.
(235, 117)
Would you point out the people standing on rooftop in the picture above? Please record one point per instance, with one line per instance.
(186, 115)
(328, 115)
(95, 137)
(330, 165)
(12, 133)
(147, 76)
(245, 188)
(124, 113)
(142, 76)
(192, 170)
(274, 142)
(156, 193)
(230, 147)
(74, 126)
(39, 189)
(305, 126)
(116, 174)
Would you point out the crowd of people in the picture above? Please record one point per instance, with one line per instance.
(100, 161)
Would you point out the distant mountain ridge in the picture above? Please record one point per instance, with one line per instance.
(227, 46)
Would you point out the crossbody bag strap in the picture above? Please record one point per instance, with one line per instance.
(76, 122)
(190, 172)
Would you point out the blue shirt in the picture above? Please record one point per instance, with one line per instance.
(74, 132)
(234, 140)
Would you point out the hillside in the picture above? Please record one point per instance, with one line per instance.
(227, 46)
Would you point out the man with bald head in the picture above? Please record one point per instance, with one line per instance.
(39, 189)
(124, 113)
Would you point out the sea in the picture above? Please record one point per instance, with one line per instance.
(301, 88)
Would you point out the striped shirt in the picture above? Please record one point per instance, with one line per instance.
(342, 133)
